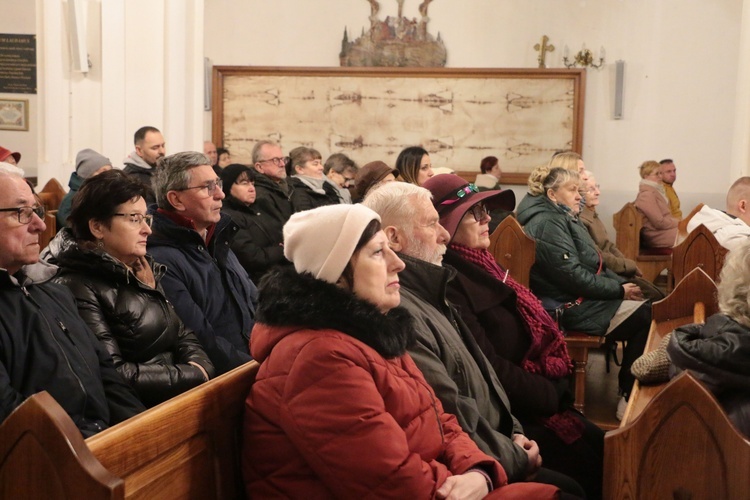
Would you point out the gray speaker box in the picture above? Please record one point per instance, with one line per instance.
(619, 80)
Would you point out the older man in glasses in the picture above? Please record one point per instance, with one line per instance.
(208, 287)
(270, 185)
(44, 343)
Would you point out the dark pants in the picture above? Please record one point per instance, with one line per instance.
(582, 460)
(634, 330)
(567, 485)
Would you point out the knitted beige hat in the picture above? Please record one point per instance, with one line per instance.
(321, 241)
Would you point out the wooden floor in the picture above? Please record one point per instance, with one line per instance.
(601, 391)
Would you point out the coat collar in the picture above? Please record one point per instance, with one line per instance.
(290, 302)
(428, 281)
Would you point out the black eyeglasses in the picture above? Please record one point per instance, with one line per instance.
(479, 211)
(25, 214)
(210, 187)
(136, 218)
(461, 193)
(276, 161)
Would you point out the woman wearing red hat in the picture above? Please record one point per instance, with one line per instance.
(521, 341)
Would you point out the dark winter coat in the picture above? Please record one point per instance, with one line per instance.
(455, 367)
(303, 197)
(46, 346)
(488, 307)
(137, 325)
(272, 200)
(338, 409)
(568, 266)
(718, 354)
(135, 166)
(208, 287)
(258, 243)
(63, 211)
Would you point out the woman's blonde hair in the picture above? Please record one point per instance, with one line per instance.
(734, 285)
(543, 178)
(567, 160)
(648, 167)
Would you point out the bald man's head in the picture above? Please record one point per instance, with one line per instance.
(738, 199)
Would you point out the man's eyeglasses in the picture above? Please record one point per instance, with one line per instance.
(479, 211)
(25, 214)
(461, 193)
(210, 187)
(276, 161)
(136, 218)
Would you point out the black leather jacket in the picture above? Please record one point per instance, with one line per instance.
(137, 325)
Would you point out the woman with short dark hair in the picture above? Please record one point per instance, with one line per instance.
(257, 241)
(102, 259)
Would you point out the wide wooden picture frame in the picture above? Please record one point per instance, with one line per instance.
(521, 116)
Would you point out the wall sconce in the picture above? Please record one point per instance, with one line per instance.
(584, 58)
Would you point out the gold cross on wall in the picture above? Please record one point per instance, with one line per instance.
(543, 48)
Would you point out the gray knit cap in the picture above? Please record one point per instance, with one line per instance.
(89, 161)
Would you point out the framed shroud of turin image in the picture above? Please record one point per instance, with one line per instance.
(521, 116)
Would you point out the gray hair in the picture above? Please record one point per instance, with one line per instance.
(11, 169)
(390, 202)
(543, 178)
(734, 288)
(258, 146)
(339, 162)
(172, 174)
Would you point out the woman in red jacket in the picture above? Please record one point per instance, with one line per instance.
(339, 410)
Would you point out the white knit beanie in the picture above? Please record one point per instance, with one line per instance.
(321, 241)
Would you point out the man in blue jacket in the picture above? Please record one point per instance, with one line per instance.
(44, 343)
(208, 287)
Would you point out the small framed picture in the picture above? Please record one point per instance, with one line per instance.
(14, 114)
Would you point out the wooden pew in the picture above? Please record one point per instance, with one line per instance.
(677, 309)
(187, 447)
(682, 446)
(699, 249)
(52, 194)
(652, 261)
(516, 251)
(682, 231)
(513, 249)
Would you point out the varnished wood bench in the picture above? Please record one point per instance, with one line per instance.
(677, 309)
(628, 223)
(699, 249)
(682, 446)
(187, 447)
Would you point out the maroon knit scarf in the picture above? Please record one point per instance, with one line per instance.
(548, 354)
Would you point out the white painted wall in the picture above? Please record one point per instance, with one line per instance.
(687, 84)
(22, 21)
(681, 71)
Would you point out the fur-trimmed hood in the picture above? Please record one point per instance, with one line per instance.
(290, 302)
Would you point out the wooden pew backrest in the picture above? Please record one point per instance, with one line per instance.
(700, 249)
(513, 249)
(187, 447)
(52, 194)
(628, 223)
(681, 446)
(682, 231)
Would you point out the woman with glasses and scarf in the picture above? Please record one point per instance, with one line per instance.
(520, 340)
(102, 259)
(569, 274)
(308, 187)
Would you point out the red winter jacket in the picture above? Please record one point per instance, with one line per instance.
(330, 417)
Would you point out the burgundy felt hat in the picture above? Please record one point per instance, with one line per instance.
(5, 153)
(452, 197)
